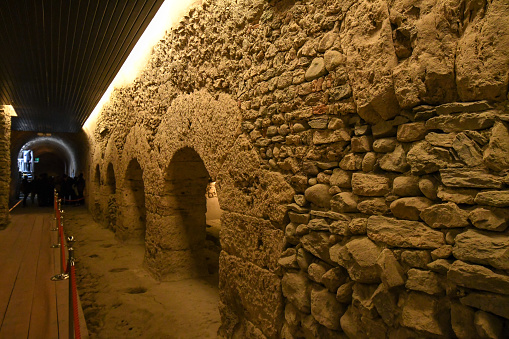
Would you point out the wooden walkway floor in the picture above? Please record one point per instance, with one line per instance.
(31, 305)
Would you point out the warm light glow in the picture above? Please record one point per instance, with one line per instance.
(168, 15)
(10, 110)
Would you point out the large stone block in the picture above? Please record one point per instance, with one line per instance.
(477, 79)
(317, 243)
(447, 215)
(316, 70)
(496, 156)
(325, 308)
(344, 202)
(491, 219)
(485, 248)
(403, 233)
(424, 313)
(409, 208)
(252, 293)
(493, 198)
(462, 122)
(425, 44)
(395, 161)
(319, 195)
(297, 289)
(391, 272)
(245, 188)
(370, 58)
(377, 206)
(370, 185)
(424, 158)
(488, 325)
(341, 178)
(457, 195)
(385, 303)
(469, 178)
(478, 277)
(489, 302)
(462, 321)
(406, 186)
(351, 324)
(253, 239)
(467, 150)
(359, 256)
(424, 281)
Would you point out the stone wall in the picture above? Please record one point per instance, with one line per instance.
(5, 166)
(360, 150)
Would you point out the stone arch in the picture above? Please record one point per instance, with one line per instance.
(131, 221)
(176, 242)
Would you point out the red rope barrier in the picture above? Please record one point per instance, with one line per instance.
(77, 332)
(13, 207)
(65, 200)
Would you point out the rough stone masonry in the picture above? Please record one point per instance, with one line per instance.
(5, 169)
(360, 151)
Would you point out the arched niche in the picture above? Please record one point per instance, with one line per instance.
(181, 250)
(96, 185)
(111, 190)
(132, 213)
(111, 183)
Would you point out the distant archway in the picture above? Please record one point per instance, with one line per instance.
(132, 211)
(52, 155)
(50, 163)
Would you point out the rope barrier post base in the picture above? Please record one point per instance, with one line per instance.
(59, 277)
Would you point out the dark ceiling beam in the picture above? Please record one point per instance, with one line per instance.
(62, 55)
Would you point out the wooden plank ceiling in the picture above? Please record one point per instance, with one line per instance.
(58, 57)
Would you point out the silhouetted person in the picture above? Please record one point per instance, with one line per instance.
(67, 190)
(34, 188)
(26, 189)
(80, 187)
(45, 191)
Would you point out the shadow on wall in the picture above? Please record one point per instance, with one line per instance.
(96, 187)
(132, 212)
(111, 190)
(178, 245)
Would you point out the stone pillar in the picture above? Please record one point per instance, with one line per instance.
(5, 163)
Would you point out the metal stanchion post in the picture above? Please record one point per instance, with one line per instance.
(63, 275)
(60, 223)
(57, 211)
(70, 241)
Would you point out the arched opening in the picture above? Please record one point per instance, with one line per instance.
(110, 179)
(213, 221)
(40, 157)
(50, 163)
(97, 175)
(133, 212)
(192, 252)
(111, 185)
(97, 188)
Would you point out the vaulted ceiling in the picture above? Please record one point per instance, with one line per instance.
(58, 57)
